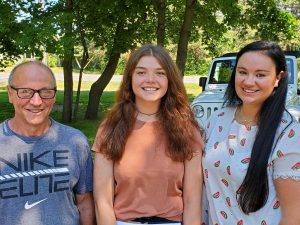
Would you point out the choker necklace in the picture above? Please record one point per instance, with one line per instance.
(147, 117)
(147, 114)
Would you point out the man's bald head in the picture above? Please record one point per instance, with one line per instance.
(28, 63)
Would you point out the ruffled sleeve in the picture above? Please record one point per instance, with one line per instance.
(286, 156)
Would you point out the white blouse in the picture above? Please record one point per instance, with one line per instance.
(225, 163)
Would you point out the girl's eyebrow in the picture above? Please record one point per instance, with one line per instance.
(260, 70)
(141, 67)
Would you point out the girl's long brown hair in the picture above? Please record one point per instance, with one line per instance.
(175, 114)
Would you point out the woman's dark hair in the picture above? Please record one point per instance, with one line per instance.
(255, 187)
(177, 119)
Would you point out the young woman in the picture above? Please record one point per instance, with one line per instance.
(149, 148)
(252, 156)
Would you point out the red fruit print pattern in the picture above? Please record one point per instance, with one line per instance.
(283, 121)
(279, 153)
(296, 166)
(248, 127)
(291, 133)
(243, 142)
(220, 128)
(231, 136)
(276, 205)
(223, 214)
(240, 222)
(240, 190)
(231, 151)
(206, 173)
(225, 182)
(228, 201)
(216, 145)
(245, 160)
(263, 222)
(221, 114)
(216, 195)
(217, 164)
(228, 170)
(208, 125)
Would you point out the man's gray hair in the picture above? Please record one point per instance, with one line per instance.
(35, 62)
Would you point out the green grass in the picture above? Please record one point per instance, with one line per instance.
(88, 127)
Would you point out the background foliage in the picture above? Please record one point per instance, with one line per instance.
(96, 36)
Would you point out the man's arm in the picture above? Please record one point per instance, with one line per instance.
(85, 205)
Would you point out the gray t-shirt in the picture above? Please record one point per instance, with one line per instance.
(40, 175)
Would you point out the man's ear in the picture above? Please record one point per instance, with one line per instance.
(9, 93)
(278, 78)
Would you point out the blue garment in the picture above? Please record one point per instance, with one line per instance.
(39, 176)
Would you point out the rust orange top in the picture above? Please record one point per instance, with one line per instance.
(147, 181)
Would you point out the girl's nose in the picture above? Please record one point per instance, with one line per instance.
(249, 80)
(150, 77)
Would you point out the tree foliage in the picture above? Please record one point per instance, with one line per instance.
(192, 30)
(9, 30)
(269, 21)
(124, 24)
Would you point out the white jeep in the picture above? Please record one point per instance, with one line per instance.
(214, 86)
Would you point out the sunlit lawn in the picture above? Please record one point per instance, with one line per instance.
(88, 127)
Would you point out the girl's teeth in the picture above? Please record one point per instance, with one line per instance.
(249, 91)
(149, 89)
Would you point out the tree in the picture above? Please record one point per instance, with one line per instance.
(185, 33)
(85, 56)
(118, 26)
(161, 21)
(121, 30)
(9, 29)
(269, 21)
(68, 57)
(98, 87)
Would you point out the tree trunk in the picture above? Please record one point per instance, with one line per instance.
(68, 90)
(83, 61)
(185, 34)
(98, 87)
(68, 69)
(161, 22)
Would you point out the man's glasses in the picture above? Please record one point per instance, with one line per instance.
(27, 93)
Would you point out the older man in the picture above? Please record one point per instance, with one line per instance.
(45, 167)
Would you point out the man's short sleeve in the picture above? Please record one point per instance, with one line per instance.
(85, 181)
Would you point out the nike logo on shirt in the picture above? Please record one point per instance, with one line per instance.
(29, 206)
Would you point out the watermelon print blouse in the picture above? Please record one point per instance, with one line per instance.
(225, 162)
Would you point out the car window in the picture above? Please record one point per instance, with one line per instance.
(221, 71)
